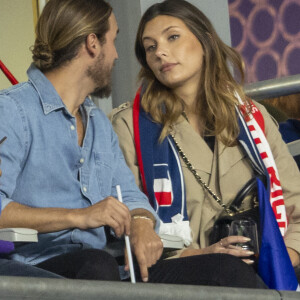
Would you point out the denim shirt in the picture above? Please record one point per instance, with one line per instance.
(43, 165)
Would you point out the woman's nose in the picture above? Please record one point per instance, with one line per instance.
(161, 51)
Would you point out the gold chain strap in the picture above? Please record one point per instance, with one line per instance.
(199, 179)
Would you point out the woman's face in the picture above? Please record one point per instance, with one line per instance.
(173, 53)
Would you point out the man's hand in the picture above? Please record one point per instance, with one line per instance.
(109, 212)
(146, 245)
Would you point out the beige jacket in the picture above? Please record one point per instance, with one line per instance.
(226, 171)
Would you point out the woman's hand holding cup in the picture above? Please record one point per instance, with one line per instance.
(246, 228)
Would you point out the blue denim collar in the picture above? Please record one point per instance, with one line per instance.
(49, 97)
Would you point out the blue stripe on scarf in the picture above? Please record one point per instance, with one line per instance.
(249, 146)
(160, 162)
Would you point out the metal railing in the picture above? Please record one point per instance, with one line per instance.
(15, 288)
(273, 88)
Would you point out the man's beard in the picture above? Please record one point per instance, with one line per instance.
(103, 92)
(100, 73)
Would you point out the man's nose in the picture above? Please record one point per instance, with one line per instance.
(116, 54)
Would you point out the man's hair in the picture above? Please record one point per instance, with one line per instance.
(289, 104)
(64, 26)
(216, 101)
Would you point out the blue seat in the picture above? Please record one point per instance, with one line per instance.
(294, 148)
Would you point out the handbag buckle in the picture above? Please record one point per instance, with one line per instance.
(233, 213)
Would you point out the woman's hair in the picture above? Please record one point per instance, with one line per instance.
(62, 28)
(216, 101)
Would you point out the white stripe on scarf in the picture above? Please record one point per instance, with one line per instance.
(269, 162)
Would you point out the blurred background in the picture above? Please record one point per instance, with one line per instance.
(265, 32)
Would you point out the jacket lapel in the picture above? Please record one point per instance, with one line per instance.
(222, 181)
(201, 160)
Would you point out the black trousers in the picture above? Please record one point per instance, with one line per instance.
(84, 264)
(210, 269)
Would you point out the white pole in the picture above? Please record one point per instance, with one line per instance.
(127, 242)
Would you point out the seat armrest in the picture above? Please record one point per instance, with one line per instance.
(18, 235)
(171, 242)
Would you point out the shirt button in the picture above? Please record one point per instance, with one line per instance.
(81, 160)
(72, 127)
(84, 189)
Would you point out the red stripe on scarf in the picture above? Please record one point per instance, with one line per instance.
(163, 198)
(281, 224)
(273, 176)
(263, 155)
(251, 128)
(258, 117)
(278, 216)
(136, 130)
(277, 193)
(257, 141)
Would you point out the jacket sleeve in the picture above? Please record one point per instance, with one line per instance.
(123, 125)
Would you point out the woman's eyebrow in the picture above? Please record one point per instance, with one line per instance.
(164, 31)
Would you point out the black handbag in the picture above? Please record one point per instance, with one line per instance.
(222, 225)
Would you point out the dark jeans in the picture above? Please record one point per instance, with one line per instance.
(210, 269)
(84, 264)
(15, 268)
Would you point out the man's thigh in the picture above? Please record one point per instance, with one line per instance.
(84, 264)
(15, 268)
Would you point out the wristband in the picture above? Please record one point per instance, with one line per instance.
(142, 217)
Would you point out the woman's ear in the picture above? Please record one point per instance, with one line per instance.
(92, 44)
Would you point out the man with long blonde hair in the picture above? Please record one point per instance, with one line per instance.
(62, 160)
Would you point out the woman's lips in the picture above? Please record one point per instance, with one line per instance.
(167, 67)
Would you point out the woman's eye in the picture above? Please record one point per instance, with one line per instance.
(150, 48)
(173, 37)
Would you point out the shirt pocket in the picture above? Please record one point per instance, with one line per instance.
(104, 162)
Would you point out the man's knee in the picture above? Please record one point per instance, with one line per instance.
(99, 265)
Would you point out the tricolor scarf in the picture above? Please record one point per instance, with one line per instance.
(252, 138)
(159, 165)
(163, 183)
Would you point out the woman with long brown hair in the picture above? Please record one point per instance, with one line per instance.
(193, 139)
